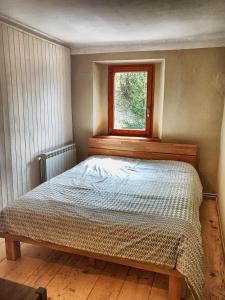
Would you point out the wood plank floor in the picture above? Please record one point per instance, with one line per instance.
(70, 277)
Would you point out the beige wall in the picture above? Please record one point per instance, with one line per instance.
(35, 107)
(100, 93)
(192, 110)
(221, 173)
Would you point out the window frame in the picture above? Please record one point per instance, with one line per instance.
(149, 103)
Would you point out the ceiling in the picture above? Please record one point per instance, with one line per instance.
(92, 26)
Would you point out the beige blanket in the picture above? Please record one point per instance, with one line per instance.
(143, 210)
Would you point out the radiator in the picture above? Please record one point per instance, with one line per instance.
(57, 161)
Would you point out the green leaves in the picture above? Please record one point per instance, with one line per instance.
(130, 100)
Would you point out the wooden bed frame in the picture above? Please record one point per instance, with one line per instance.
(128, 148)
(102, 145)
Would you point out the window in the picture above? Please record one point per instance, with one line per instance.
(131, 100)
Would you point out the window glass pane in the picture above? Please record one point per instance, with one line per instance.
(130, 97)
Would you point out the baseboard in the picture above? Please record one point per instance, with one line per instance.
(220, 228)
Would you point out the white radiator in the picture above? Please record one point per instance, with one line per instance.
(57, 161)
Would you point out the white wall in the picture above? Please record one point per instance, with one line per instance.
(35, 107)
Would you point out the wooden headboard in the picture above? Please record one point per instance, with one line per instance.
(143, 149)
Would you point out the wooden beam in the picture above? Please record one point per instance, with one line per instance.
(137, 145)
(142, 149)
(143, 155)
(12, 248)
(92, 261)
(93, 255)
(176, 287)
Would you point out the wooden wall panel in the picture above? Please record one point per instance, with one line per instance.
(35, 107)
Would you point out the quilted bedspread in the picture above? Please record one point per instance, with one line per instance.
(147, 211)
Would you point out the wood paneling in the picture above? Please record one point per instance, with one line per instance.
(35, 107)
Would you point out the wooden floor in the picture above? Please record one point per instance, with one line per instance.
(70, 277)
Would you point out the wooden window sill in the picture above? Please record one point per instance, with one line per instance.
(130, 138)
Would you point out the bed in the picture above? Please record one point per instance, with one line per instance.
(133, 203)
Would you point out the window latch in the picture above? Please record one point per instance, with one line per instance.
(148, 112)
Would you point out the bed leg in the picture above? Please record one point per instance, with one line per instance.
(176, 288)
(92, 261)
(12, 249)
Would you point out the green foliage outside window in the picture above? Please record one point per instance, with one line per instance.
(130, 100)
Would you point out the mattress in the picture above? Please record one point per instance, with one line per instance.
(147, 211)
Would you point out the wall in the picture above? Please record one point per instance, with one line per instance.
(35, 107)
(221, 170)
(100, 93)
(192, 110)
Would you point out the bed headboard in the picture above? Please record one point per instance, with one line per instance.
(142, 149)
